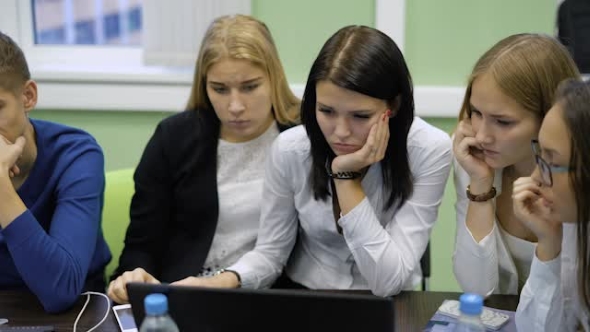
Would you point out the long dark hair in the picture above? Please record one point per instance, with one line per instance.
(367, 61)
(574, 97)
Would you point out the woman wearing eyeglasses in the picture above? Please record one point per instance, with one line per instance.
(508, 93)
(553, 204)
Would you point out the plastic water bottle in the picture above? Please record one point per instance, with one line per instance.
(471, 306)
(156, 315)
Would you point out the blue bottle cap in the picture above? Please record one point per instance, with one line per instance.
(155, 304)
(471, 304)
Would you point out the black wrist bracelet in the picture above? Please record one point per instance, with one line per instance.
(349, 175)
(344, 175)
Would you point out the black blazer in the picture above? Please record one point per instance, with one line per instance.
(175, 207)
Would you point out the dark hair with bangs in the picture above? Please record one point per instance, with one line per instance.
(367, 61)
(574, 98)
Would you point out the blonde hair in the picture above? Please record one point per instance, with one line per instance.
(528, 68)
(243, 37)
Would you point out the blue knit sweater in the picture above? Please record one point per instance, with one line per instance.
(56, 248)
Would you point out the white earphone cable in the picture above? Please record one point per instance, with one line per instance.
(84, 308)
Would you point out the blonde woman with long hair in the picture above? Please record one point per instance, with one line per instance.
(199, 182)
(509, 92)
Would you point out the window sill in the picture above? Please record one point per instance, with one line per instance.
(130, 88)
(112, 88)
(113, 75)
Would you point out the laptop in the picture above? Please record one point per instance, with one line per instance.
(221, 310)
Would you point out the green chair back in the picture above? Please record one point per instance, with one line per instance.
(115, 215)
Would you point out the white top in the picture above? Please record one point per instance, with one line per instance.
(522, 252)
(488, 266)
(240, 174)
(378, 250)
(549, 300)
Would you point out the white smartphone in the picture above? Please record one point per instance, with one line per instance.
(125, 318)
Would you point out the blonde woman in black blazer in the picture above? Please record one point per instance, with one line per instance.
(190, 214)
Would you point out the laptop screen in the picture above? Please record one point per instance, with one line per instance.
(220, 310)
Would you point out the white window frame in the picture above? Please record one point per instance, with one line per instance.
(115, 80)
(75, 55)
(435, 101)
(67, 82)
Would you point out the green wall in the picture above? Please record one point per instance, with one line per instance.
(442, 238)
(443, 40)
(121, 134)
(301, 27)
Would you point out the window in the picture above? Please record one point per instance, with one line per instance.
(92, 54)
(112, 54)
(115, 35)
(87, 22)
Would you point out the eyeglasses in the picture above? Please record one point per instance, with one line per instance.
(546, 169)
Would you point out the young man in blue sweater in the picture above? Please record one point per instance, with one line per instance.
(51, 196)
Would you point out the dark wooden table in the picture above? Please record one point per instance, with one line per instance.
(23, 308)
(412, 310)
